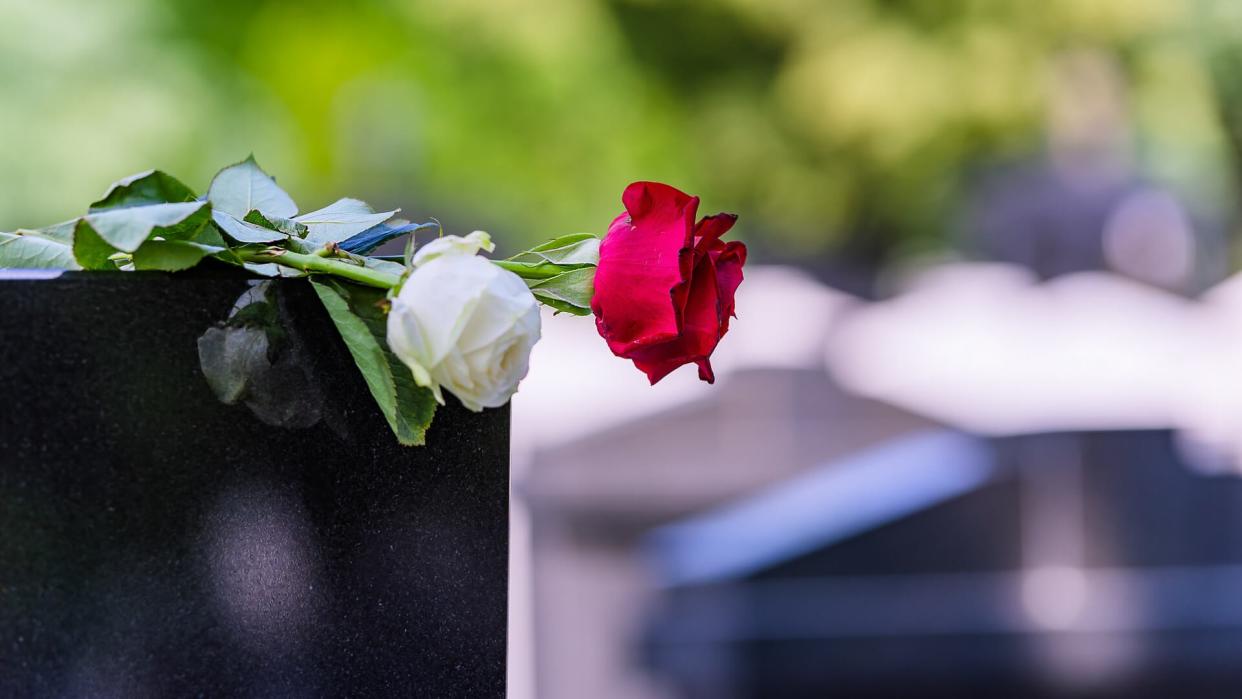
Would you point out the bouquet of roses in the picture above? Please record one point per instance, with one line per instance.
(440, 317)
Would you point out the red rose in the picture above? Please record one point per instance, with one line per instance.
(665, 284)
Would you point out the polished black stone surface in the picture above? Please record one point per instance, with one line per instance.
(155, 541)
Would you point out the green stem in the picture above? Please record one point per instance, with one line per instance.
(322, 265)
(320, 262)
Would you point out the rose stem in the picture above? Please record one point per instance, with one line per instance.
(322, 265)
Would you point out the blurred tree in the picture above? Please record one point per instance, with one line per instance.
(838, 128)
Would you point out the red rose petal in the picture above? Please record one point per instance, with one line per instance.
(728, 261)
(700, 330)
(665, 285)
(637, 301)
(712, 227)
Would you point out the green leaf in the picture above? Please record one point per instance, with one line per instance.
(388, 266)
(285, 225)
(62, 231)
(574, 249)
(35, 250)
(244, 231)
(208, 235)
(91, 251)
(552, 260)
(341, 220)
(569, 292)
(142, 189)
(96, 237)
(356, 312)
(244, 187)
(271, 269)
(127, 229)
(172, 255)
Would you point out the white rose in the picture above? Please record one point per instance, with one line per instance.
(464, 324)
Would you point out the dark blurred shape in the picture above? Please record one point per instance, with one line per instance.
(656, 33)
(594, 500)
(1083, 205)
(158, 542)
(1087, 564)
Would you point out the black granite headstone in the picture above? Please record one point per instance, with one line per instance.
(155, 541)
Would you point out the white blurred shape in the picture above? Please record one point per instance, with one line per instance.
(1210, 414)
(985, 348)
(1054, 597)
(576, 386)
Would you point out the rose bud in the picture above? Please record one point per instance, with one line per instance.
(665, 284)
(464, 324)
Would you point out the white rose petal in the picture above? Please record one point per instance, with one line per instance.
(464, 324)
(453, 245)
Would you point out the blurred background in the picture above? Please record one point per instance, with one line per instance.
(978, 427)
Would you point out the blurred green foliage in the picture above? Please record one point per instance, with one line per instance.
(830, 125)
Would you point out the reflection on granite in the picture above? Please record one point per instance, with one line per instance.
(255, 356)
(157, 541)
(259, 555)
